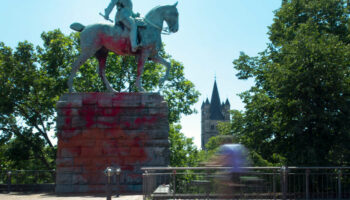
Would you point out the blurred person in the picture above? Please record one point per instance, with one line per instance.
(235, 158)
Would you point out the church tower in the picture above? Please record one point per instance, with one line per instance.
(212, 113)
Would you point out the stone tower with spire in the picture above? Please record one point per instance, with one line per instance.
(212, 113)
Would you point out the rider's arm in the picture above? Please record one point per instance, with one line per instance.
(110, 7)
(135, 15)
(126, 3)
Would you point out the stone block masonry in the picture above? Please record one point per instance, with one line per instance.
(97, 130)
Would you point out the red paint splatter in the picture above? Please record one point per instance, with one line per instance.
(96, 149)
(68, 112)
(146, 120)
(102, 63)
(104, 139)
(120, 46)
(140, 65)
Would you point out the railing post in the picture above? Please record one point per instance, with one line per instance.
(284, 183)
(339, 183)
(36, 177)
(53, 175)
(118, 171)
(207, 186)
(9, 181)
(109, 192)
(274, 184)
(307, 183)
(144, 184)
(174, 183)
(109, 172)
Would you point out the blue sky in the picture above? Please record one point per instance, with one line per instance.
(211, 35)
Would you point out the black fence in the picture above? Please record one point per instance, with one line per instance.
(211, 182)
(253, 183)
(27, 181)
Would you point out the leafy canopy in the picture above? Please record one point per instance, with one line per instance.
(33, 78)
(298, 111)
(183, 152)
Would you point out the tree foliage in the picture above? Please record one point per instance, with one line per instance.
(230, 132)
(298, 110)
(33, 78)
(183, 152)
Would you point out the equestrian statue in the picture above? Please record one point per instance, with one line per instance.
(122, 38)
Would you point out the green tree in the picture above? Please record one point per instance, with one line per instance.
(230, 132)
(26, 105)
(183, 152)
(299, 106)
(33, 79)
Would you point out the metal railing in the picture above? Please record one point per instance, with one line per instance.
(27, 180)
(254, 183)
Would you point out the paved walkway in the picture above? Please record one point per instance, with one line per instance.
(50, 196)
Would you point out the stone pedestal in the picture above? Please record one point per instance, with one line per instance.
(97, 130)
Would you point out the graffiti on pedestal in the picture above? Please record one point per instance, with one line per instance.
(104, 130)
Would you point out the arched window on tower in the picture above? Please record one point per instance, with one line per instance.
(212, 127)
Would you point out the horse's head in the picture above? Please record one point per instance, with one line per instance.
(171, 16)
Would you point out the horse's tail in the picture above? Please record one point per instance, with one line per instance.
(77, 27)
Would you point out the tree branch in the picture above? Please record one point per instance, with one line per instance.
(39, 153)
(23, 112)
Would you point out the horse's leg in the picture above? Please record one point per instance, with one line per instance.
(141, 59)
(101, 56)
(86, 54)
(162, 61)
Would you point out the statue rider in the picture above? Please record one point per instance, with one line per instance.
(126, 16)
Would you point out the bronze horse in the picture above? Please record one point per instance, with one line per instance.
(98, 39)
